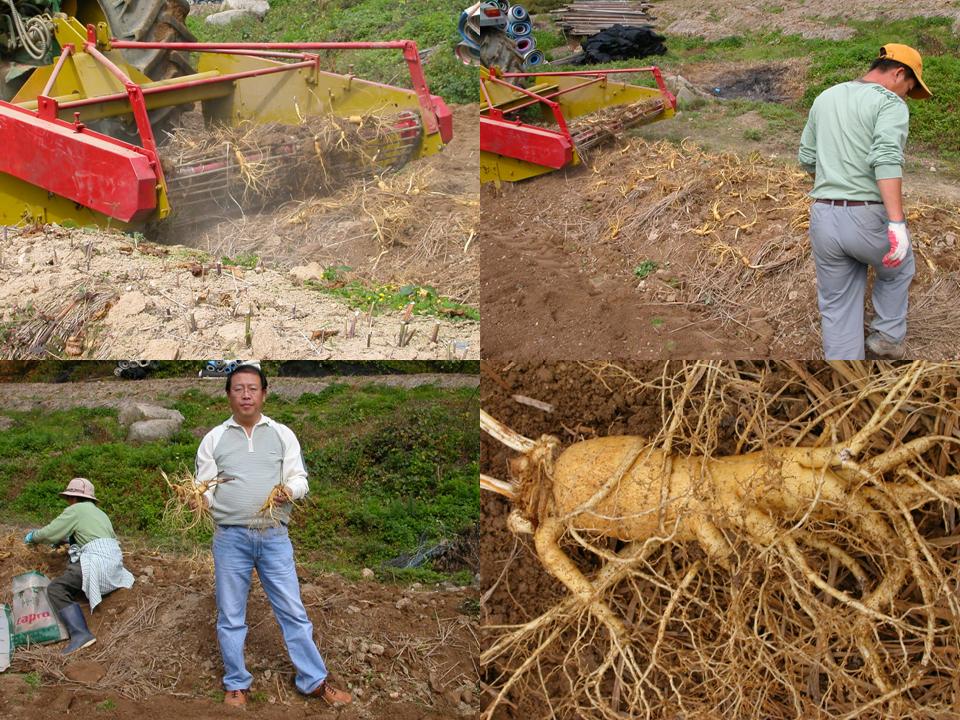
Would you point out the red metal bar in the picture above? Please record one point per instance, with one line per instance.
(95, 171)
(67, 52)
(554, 107)
(658, 76)
(600, 74)
(558, 93)
(214, 47)
(431, 119)
(412, 56)
(189, 83)
(137, 104)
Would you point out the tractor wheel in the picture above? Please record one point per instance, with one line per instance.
(145, 20)
(156, 21)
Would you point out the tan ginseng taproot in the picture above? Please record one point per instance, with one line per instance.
(805, 509)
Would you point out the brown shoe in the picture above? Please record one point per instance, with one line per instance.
(235, 698)
(880, 345)
(329, 694)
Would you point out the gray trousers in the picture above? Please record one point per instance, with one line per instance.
(67, 588)
(846, 241)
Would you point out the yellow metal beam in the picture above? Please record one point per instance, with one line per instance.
(497, 168)
(23, 204)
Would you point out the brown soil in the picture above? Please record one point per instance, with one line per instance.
(157, 656)
(721, 246)
(714, 19)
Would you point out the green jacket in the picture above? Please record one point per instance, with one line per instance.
(854, 136)
(83, 520)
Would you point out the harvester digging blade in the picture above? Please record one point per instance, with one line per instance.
(277, 125)
(280, 162)
(610, 124)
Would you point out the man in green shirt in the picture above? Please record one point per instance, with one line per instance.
(853, 144)
(96, 562)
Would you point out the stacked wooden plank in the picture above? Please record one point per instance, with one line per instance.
(588, 17)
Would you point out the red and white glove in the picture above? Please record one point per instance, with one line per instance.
(899, 243)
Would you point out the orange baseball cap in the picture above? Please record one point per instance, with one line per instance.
(911, 58)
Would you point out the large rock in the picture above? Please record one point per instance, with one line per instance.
(257, 7)
(228, 16)
(153, 430)
(132, 412)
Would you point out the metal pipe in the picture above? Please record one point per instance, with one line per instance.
(67, 51)
(137, 104)
(597, 73)
(213, 47)
(558, 93)
(409, 48)
(180, 85)
(554, 107)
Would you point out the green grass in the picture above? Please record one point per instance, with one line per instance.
(363, 296)
(391, 469)
(430, 23)
(934, 124)
(76, 370)
(645, 269)
(244, 260)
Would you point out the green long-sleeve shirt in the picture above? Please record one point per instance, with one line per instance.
(83, 520)
(854, 136)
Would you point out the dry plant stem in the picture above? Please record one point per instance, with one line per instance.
(187, 507)
(510, 438)
(500, 487)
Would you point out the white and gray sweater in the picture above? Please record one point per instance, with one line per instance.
(270, 455)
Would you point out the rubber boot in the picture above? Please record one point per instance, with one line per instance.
(80, 636)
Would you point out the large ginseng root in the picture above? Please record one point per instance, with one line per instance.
(813, 576)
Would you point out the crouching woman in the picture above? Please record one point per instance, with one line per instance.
(95, 568)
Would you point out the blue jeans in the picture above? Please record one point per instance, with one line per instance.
(237, 551)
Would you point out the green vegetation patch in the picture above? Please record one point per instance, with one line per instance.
(432, 24)
(821, 63)
(392, 471)
(363, 296)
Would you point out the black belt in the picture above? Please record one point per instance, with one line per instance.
(849, 203)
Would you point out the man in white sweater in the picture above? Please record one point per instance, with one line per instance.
(257, 454)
